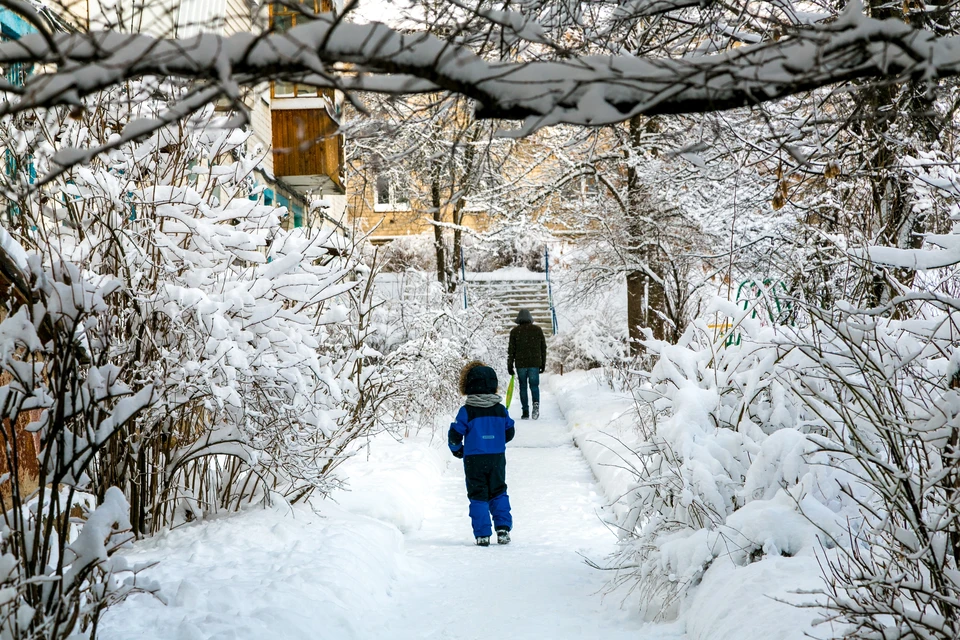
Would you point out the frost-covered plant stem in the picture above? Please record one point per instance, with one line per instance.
(896, 423)
(60, 579)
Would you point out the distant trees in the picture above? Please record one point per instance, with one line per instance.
(449, 165)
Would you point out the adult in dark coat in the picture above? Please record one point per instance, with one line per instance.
(527, 353)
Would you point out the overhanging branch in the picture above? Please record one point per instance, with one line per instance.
(589, 91)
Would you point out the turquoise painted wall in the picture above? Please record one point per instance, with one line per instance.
(14, 26)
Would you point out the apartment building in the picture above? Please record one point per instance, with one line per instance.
(295, 126)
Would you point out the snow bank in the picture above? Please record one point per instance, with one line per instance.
(738, 603)
(289, 573)
(266, 573)
(602, 426)
(390, 480)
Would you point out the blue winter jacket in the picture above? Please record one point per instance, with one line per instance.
(481, 430)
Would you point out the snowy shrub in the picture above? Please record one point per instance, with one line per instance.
(243, 327)
(595, 340)
(889, 401)
(409, 253)
(176, 351)
(509, 245)
(888, 394)
(67, 400)
(426, 337)
(497, 250)
(727, 467)
(837, 437)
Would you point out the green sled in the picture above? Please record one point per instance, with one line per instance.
(509, 393)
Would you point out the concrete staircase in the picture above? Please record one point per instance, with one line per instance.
(515, 295)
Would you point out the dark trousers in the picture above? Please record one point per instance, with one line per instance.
(486, 476)
(531, 375)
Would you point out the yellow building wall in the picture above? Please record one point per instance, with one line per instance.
(400, 221)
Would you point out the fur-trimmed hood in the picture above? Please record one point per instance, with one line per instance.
(476, 377)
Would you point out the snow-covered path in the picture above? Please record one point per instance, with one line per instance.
(536, 587)
(345, 572)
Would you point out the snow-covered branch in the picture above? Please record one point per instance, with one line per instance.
(585, 90)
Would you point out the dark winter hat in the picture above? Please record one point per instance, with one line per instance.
(477, 378)
(524, 317)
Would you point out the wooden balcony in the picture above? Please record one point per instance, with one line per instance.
(307, 150)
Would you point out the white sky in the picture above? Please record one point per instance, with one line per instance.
(391, 12)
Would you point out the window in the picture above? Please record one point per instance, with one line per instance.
(582, 187)
(390, 194)
(589, 186)
(16, 73)
(284, 17)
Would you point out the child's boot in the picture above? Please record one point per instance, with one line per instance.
(483, 541)
(503, 536)
(536, 410)
(525, 415)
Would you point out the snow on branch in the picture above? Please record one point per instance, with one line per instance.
(586, 90)
(632, 9)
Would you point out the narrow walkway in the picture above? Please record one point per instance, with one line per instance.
(538, 587)
(334, 574)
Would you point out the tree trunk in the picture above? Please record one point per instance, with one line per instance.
(645, 295)
(438, 230)
(469, 159)
(457, 257)
(636, 308)
(897, 223)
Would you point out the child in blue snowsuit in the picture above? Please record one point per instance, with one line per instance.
(479, 436)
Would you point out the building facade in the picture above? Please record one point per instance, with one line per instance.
(295, 128)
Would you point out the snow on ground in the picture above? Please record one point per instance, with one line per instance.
(737, 603)
(732, 602)
(280, 573)
(393, 556)
(602, 422)
(536, 587)
(346, 571)
(505, 273)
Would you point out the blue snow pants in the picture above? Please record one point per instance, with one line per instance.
(486, 476)
(531, 375)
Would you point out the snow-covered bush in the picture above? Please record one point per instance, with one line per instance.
(243, 327)
(516, 244)
(426, 336)
(409, 253)
(186, 354)
(596, 340)
(728, 467)
(837, 437)
(886, 392)
(64, 396)
(504, 247)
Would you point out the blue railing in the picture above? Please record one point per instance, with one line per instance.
(553, 310)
